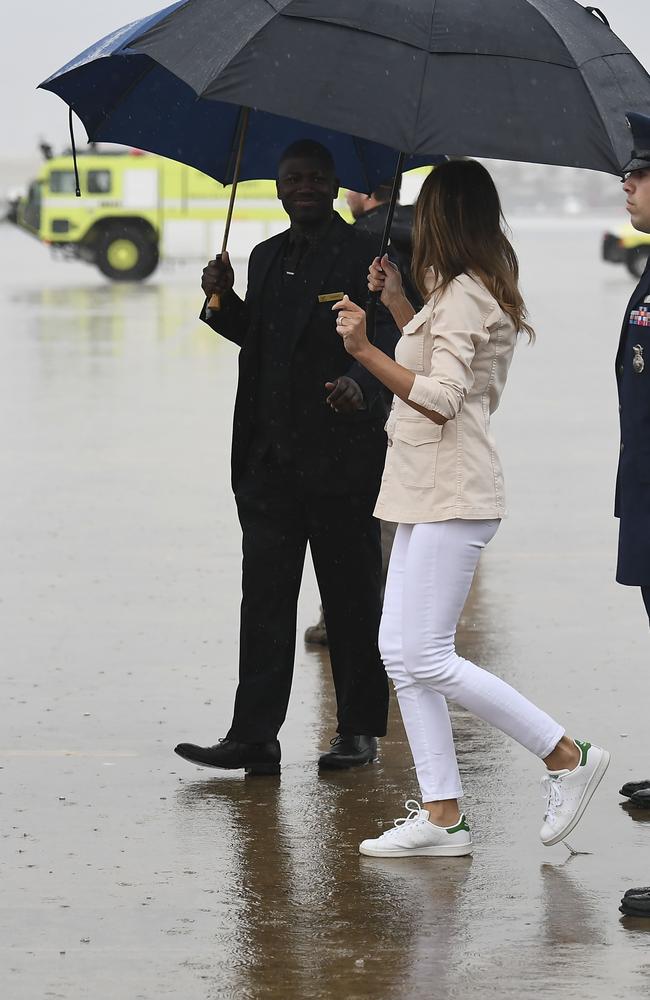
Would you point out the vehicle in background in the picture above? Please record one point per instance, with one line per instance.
(629, 247)
(137, 209)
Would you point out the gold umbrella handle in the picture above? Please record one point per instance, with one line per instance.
(215, 300)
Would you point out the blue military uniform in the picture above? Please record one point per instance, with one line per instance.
(633, 378)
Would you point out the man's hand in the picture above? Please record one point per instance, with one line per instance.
(218, 277)
(345, 395)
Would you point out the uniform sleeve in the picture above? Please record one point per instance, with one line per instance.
(458, 325)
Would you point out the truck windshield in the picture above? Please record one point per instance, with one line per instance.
(62, 182)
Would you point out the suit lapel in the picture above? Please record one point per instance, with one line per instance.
(267, 255)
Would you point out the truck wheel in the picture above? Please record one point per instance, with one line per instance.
(636, 259)
(126, 253)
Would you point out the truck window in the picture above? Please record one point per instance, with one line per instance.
(32, 211)
(62, 182)
(99, 181)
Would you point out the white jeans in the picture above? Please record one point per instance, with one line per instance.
(430, 573)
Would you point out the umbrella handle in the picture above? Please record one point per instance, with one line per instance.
(215, 300)
(373, 297)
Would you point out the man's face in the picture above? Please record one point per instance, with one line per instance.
(637, 189)
(307, 189)
(356, 203)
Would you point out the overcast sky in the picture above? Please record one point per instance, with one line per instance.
(40, 36)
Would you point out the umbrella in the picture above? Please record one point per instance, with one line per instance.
(544, 81)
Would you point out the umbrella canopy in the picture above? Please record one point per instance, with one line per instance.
(131, 99)
(538, 80)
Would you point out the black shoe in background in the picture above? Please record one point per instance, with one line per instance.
(316, 635)
(636, 903)
(630, 787)
(255, 758)
(640, 799)
(349, 751)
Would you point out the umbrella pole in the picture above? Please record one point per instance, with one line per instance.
(373, 297)
(215, 300)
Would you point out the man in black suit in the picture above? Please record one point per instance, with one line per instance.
(370, 212)
(307, 456)
(633, 480)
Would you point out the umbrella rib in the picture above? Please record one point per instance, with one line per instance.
(593, 101)
(558, 35)
(412, 144)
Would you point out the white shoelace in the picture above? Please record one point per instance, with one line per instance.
(553, 794)
(415, 811)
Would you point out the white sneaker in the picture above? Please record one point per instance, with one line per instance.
(568, 792)
(415, 836)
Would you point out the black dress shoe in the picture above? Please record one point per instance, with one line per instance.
(349, 751)
(630, 787)
(255, 758)
(641, 799)
(636, 903)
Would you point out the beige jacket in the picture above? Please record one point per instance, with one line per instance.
(460, 350)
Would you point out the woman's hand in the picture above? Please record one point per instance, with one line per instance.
(351, 326)
(384, 277)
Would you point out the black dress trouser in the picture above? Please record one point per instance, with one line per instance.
(279, 517)
(645, 593)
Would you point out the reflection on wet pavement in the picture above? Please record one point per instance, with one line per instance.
(128, 873)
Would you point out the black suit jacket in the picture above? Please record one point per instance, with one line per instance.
(633, 478)
(335, 453)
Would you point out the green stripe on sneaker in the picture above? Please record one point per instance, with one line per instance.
(461, 825)
(584, 749)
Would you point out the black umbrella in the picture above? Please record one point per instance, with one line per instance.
(544, 81)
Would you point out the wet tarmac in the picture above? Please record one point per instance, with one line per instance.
(131, 875)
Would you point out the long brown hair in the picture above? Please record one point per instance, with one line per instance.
(459, 227)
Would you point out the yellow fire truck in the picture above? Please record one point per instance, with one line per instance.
(627, 246)
(137, 209)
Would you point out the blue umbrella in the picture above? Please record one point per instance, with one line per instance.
(126, 97)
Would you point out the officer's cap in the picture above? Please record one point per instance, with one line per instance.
(640, 128)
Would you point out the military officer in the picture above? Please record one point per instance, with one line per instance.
(633, 480)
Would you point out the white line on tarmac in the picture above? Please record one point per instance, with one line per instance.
(65, 753)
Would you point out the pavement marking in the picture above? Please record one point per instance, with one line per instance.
(65, 753)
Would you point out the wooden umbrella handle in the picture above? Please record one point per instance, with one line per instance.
(215, 300)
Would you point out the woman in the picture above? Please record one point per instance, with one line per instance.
(443, 483)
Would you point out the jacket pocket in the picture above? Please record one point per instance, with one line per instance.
(410, 349)
(415, 452)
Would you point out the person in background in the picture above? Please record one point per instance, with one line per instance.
(370, 212)
(444, 486)
(632, 505)
(307, 454)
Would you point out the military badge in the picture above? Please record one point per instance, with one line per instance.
(638, 362)
(640, 316)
